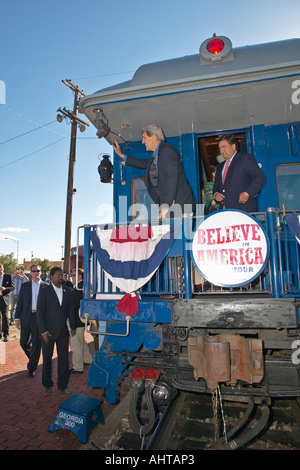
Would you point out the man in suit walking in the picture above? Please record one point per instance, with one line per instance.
(26, 319)
(6, 286)
(166, 182)
(56, 308)
(239, 179)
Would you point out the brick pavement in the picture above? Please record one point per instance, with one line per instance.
(26, 413)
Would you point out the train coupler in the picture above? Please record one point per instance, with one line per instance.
(226, 358)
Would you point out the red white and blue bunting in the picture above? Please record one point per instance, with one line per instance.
(131, 255)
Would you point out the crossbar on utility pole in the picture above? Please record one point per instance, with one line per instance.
(69, 204)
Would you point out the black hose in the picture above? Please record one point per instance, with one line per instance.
(242, 421)
(135, 424)
(132, 417)
(147, 428)
(249, 435)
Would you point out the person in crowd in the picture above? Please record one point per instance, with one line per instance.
(79, 346)
(6, 286)
(238, 179)
(18, 278)
(210, 204)
(166, 181)
(56, 308)
(66, 281)
(45, 278)
(26, 318)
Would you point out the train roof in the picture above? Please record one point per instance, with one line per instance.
(196, 72)
(247, 58)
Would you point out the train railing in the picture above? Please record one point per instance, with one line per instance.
(284, 255)
(176, 275)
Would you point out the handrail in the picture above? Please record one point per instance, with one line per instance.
(273, 238)
(77, 257)
(104, 333)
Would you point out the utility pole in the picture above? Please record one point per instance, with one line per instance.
(64, 113)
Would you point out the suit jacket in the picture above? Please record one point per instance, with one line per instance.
(171, 186)
(24, 304)
(9, 285)
(243, 175)
(52, 316)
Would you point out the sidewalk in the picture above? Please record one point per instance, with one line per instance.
(25, 412)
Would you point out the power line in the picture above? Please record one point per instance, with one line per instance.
(28, 132)
(34, 122)
(32, 153)
(103, 75)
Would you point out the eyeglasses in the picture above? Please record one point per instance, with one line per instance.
(36, 271)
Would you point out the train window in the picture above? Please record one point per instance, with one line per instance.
(142, 206)
(210, 156)
(288, 184)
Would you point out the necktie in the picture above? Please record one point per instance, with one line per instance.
(225, 171)
(155, 156)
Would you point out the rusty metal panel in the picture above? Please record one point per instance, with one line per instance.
(233, 313)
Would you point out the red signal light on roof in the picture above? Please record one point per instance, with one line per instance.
(216, 49)
(215, 46)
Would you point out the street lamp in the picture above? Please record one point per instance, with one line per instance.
(6, 237)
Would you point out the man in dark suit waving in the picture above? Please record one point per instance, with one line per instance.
(166, 182)
(238, 179)
(56, 309)
(25, 318)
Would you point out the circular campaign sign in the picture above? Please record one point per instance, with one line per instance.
(230, 248)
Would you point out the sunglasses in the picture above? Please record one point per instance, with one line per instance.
(36, 271)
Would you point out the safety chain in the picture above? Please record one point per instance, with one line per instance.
(214, 399)
(216, 394)
(142, 437)
(222, 414)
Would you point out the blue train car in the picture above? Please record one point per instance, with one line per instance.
(191, 329)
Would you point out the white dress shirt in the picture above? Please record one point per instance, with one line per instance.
(59, 293)
(35, 286)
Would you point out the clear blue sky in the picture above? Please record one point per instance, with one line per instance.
(94, 43)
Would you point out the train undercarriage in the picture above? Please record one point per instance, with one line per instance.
(245, 348)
